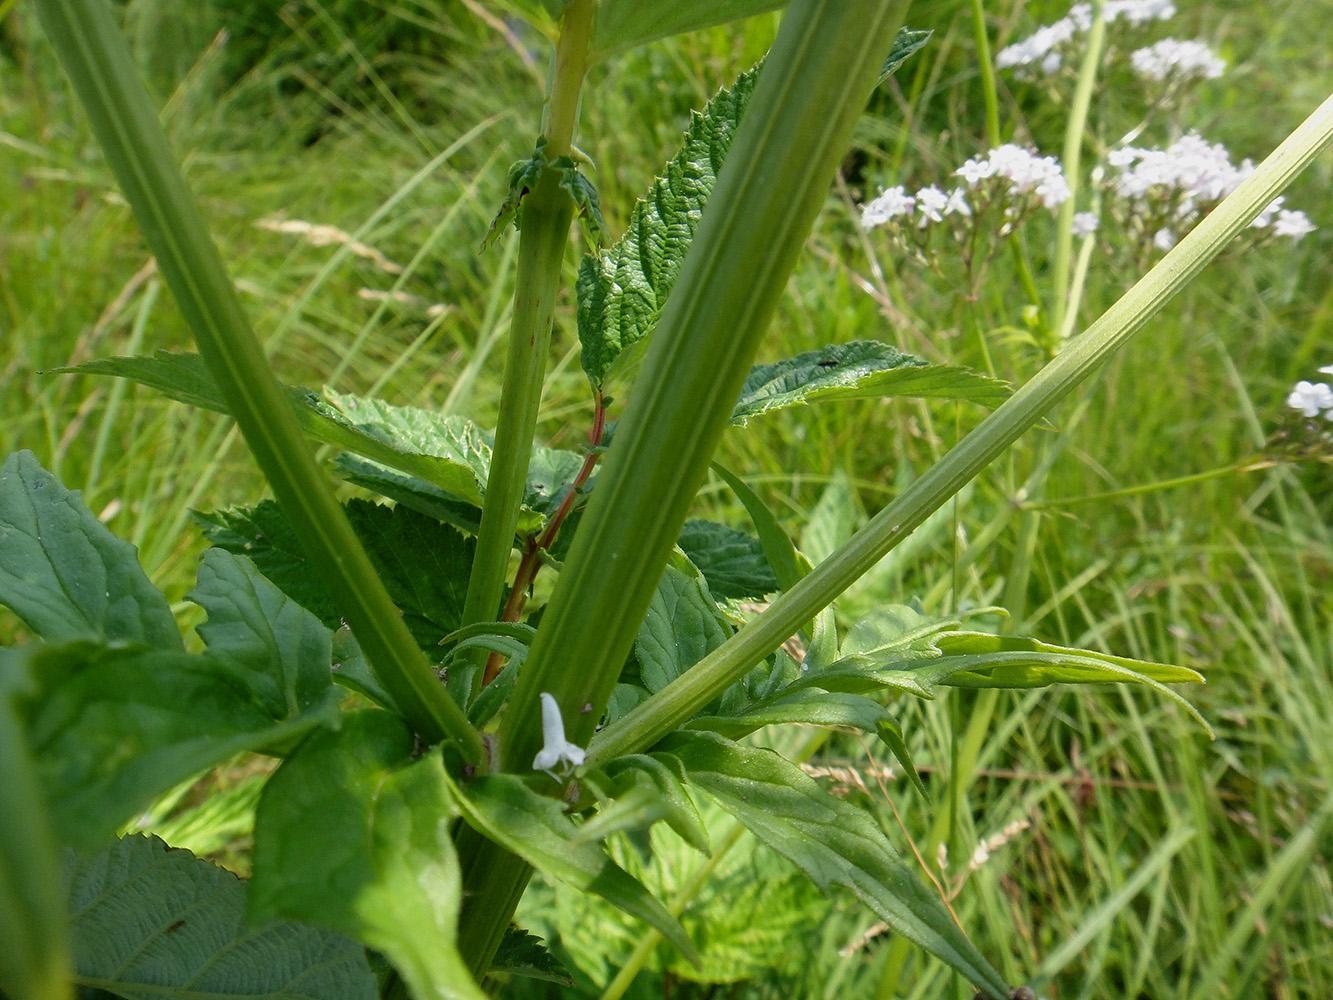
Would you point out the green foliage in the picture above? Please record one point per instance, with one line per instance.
(524, 176)
(682, 625)
(380, 863)
(523, 954)
(623, 24)
(152, 922)
(509, 812)
(64, 574)
(832, 841)
(36, 957)
(860, 369)
(733, 563)
(621, 290)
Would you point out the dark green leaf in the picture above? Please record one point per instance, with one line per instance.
(674, 805)
(251, 621)
(524, 176)
(523, 954)
(682, 626)
(155, 923)
(892, 735)
(424, 564)
(64, 574)
(907, 44)
(379, 863)
(35, 953)
(861, 369)
(732, 562)
(831, 840)
(536, 828)
(178, 375)
(262, 534)
(411, 491)
(113, 728)
(776, 543)
(621, 291)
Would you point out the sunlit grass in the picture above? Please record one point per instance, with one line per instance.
(1177, 867)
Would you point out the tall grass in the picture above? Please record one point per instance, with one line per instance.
(1155, 864)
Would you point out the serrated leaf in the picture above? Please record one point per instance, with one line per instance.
(524, 175)
(151, 922)
(524, 954)
(424, 564)
(379, 865)
(831, 840)
(624, 24)
(287, 649)
(682, 625)
(111, 728)
(62, 571)
(861, 369)
(732, 562)
(536, 828)
(621, 290)
(35, 955)
(907, 44)
(261, 534)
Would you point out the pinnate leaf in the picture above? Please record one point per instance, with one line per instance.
(62, 571)
(150, 922)
(831, 840)
(379, 865)
(861, 369)
(536, 828)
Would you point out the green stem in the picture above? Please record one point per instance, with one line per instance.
(547, 211)
(93, 53)
(771, 187)
(1078, 120)
(987, 68)
(677, 702)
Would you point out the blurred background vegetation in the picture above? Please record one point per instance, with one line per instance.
(1149, 518)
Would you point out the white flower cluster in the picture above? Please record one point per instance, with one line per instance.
(1025, 171)
(1042, 47)
(1171, 58)
(1007, 173)
(1313, 398)
(1189, 173)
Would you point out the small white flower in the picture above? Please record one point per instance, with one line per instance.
(555, 748)
(1085, 224)
(930, 202)
(1173, 58)
(1293, 224)
(1326, 370)
(888, 206)
(1164, 239)
(957, 204)
(1311, 397)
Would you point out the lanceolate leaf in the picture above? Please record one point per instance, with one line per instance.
(860, 369)
(831, 840)
(151, 922)
(621, 291)
(35, 954)
(818, 708)
(64, 574)
(111, 728)
(353, 834)
(536, 828)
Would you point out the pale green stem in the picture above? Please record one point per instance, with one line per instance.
(987, 69)
(546, 214)
(1069, 163)
(673, 705)
(93, 53)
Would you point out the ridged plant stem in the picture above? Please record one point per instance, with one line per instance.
(546, 213)
(93, 54)
(669, 708)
